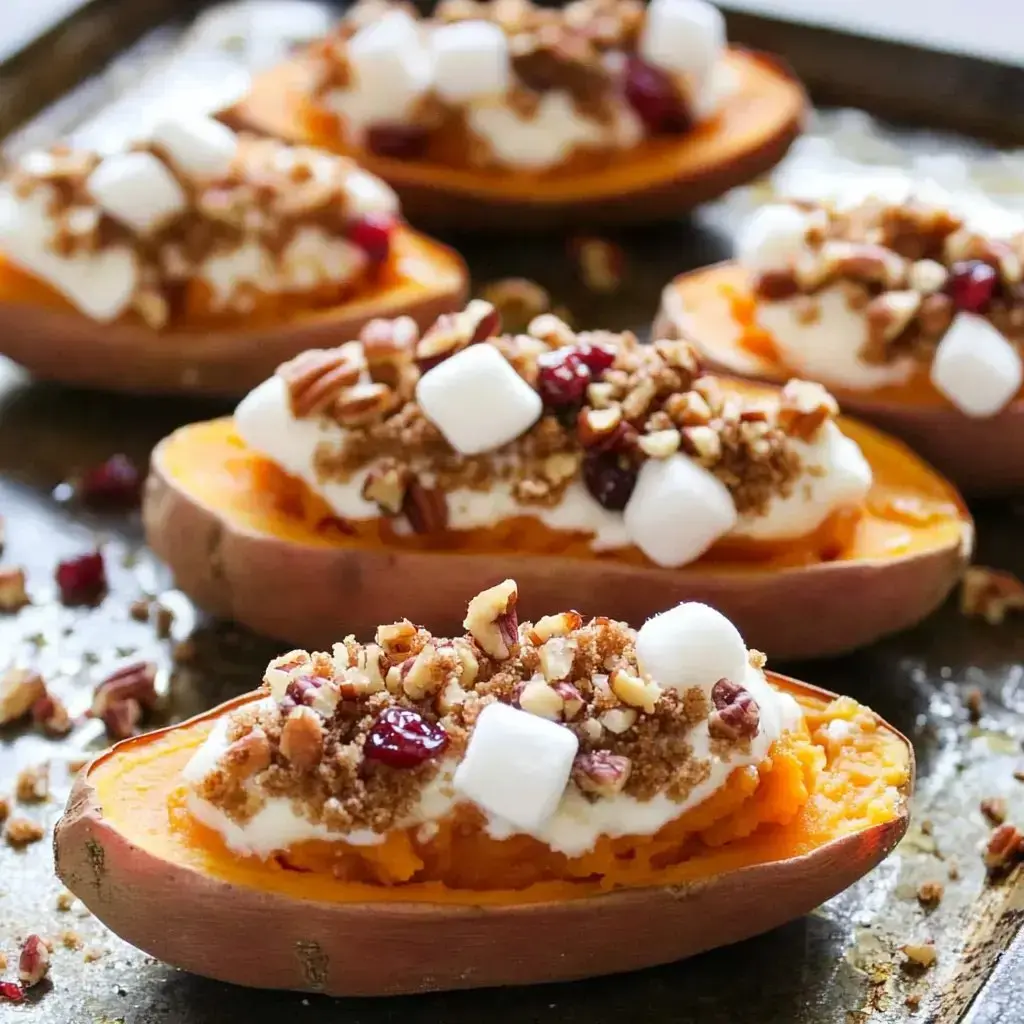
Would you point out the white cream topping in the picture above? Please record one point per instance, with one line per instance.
(839, 475)
(573, 829)
(100, 284)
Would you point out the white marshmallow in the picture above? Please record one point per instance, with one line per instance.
(366, 194)
(471, 59)
(477, 400)
(199, 147)
(99, 284)
(389, 60)
(772, 238)
(691, 645)
(677, 511)
(976, 367)
(138, 190)
(516, 766)
(683, 36)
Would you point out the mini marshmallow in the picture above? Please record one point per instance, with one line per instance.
(197, 146)
(773, 238)
(389, 60)
(516, 766)
(138, 190)
(685, 37)
(691, 645)
(677, 511)
(477, 400)
(366, 194)
(471, 60)
(976, 367)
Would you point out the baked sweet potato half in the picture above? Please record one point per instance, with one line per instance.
(196, 263)
(540, 120)
(812, 546)
(233, 845)
(908, 307)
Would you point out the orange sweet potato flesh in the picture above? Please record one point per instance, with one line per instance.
(778, 841)
(715, 309)
(211, 355)
(251, 544)
(660, 178)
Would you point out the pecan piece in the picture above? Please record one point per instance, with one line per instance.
(50, 714)
(542, 700)
(248, 755)
(21, 832)
(518, 301)
(32, 785)
(452, 332)
(386, 485)
(120, 699)
(994, 809)
(426, 508)
(601, 773)
(804, 407)
(492, 621)
(13, 596)
(362, 403)
(554, 625)
(20, 688)
(302, 739)
(736, 714)
(1004, 849)
(315, 378)
(34, 961)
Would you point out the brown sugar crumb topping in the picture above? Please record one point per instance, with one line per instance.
(609, 402)
(269, 196)
(356, 735)
(910, 267)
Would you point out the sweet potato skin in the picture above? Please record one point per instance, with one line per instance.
(262, 939)
(983, 457)
(58, 345)
(430, 200)
(330, 591)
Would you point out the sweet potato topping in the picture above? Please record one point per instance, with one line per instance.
(369, 747)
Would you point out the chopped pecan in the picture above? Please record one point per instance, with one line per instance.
(120, 699)
(552, 330)
(935, 315)
(426, 508)
(736, 714)
(362, 403)
(20, 688)
(890, 314)
(804, 407)
(389, 347)
(518, 301)
(13, 595)
(453, 332)
(601, 773)
(34, 961)
(572, 700)
(386, 485)
(316, 378)
(396, 639)
(248, 755)
(776, 285)
(1004, 849)
(660, 444)
(492, 621)
(633, 691)
(557, 656)
(929, 894)
(990, 593)
(302, 739)
(994, 808)
(554, 625)
(539, 698)
(50, 714)
(619, 720)
(920, 954)
(32, 785)
(423, 675)
(21, 832)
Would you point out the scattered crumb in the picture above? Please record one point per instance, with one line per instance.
(601, 263)
(518, 300)
(93, 953)
(5, 809)
(953, 870)
(139, 610)
(929, 894)
(920, 954)
(1019, 774)
(21, 832)
(13, 596)
(64, 901)
(3, 962)
(164, 621)
(974, 700)
(184, 652)
(71, 940)
(995, 810)
(913, 1001)
(990, 593)
(33, 784)
(927, 827)
(1004, 849)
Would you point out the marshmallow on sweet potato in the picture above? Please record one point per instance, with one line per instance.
(471, 59)
(137, 189)
(685, 37)
(197, 146)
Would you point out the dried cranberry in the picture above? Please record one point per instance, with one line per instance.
(654, 96)
(562, 377)
(400, 141)
(116, 482)
(82, 579)
(610, 478)
(372, 234)
(403, 738)
(11, 991)
(972, 283)
(596, 358)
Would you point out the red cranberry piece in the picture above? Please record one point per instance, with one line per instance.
(11, 991)
(562, 377)
(597, 358)
(82, 579)
(372, 234)
(610, 478)
(655, 97)
(400, 141)
(972, 283)
(116, 482)
(403, 738)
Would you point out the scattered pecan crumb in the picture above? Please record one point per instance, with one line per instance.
(927, 827)
(1019, 774)
(1004, 849)
(913, 1001)
(19, 689)
(601, 263)
(13, 595)
(50, 714)
(22, 831)
(34, 962)
(994, 808)
(64, 901)
(518, 300)
(33, 784)
(93, 953)
(184, 652)
(990, 594)
(3, 962)
(164, 621)
(920, 954)
(5, 809)
(139, 610)
(71, 940)
(974, 699)
(953, 869)
(120, 700)
(929, 894)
